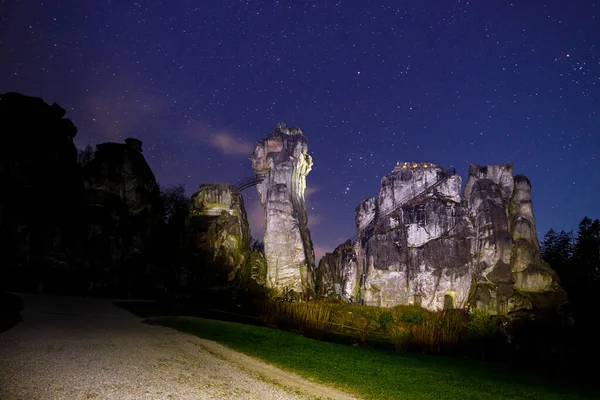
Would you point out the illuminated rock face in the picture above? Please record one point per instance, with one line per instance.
(283, 161)
(419, 243)
(416, 249)
(218, 232)
(337, 274)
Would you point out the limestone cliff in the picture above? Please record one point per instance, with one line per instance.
(419, 243)
(282, 162)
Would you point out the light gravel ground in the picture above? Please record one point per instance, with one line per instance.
(81, 348)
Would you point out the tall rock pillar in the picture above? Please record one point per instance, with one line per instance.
(282, 160)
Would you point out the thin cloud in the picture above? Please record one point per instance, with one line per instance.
(320, 252)
(230, 145)
(313, 220)
(226, 142)
(310, 190)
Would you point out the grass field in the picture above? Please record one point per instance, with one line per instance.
(372, 373)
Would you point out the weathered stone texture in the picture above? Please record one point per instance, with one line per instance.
(338, 273)
(282, 160)
(419, 243)
(218, 233)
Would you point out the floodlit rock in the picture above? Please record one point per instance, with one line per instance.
(218, 240)
(282, 160)
(419, 243)
(488, 192)
(531, 274)
(365, 212)
(337, 275)
(418, 252)
(218, 233)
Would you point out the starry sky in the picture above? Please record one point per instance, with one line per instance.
(370, 83)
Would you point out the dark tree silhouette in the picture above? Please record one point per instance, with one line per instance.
(169, 249)
(557, 250)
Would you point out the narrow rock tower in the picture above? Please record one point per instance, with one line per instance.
(282, 162)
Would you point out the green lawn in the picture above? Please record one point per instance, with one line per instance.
(374, 374)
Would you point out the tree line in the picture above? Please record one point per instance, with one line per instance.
(576, 260)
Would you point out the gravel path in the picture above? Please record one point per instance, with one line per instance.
(80, 348)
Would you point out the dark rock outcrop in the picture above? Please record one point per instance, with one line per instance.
(123, 211)
(41, 193)
(419, 243)
(283, 162)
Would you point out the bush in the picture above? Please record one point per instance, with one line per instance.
(440, 332)
(384, 318)
(400, 335)
(482, 332)
(412, 317)
(481, 325)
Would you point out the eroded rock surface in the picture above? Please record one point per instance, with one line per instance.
(282, 160)
(420, 243)
(219, 238)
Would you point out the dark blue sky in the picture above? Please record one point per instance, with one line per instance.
(370, 83)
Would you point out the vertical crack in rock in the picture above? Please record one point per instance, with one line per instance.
(282, 162)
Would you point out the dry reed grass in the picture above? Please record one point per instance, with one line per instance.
(406, 327)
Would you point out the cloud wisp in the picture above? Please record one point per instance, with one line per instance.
(226, 142)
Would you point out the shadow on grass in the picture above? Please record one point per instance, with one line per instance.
(146, 309)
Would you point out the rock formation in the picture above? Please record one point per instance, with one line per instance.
(419, 243)
(219, 236)
(123, 212)
(282, 162)
(41, 190)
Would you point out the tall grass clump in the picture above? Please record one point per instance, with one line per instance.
(400, 335)
(439, 332)
(311, 319)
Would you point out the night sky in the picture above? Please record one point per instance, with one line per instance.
(369, 83)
